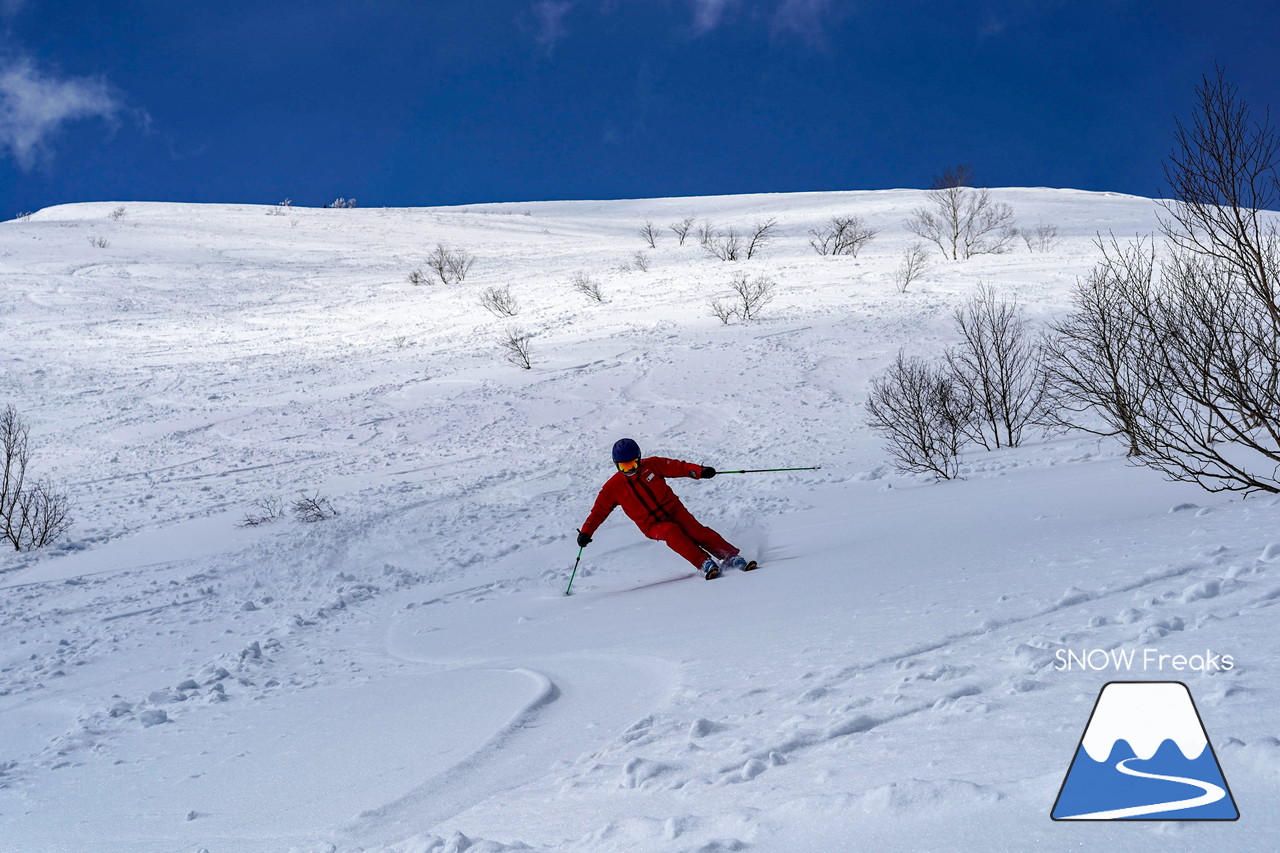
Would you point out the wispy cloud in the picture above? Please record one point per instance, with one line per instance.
(35, 105)
(709, 14)
(807, 19)
(549, 20)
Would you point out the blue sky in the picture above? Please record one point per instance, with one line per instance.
(402, 103)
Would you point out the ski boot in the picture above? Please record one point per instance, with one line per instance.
(739, 562)
(710, 570)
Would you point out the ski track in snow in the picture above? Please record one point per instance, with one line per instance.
(887, 680)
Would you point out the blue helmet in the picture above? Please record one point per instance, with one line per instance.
(625, 450)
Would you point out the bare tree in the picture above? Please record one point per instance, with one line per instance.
(682, 228)
(953, 176)
(650, 234)
(640, 261)
(915, 261)
(725, 245)
(706, 232)
(450, 265)
(515, 345)
(1042, 238)
(752, 294)
(723, 309)
(997, 367)
(843, 235)
(761, 235)
(963, 222)
(587, 286)
(32, 513)
(265, 511)
(499, 302)
(1095, 359)
(921, 414)
(1197, 336)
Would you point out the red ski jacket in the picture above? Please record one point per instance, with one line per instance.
(645, 496)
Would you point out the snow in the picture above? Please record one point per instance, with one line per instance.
(409, 676)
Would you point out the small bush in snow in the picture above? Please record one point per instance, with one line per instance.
(750, 296)
(32, 513)
(921, 413)
(499, 302)
(264, 511)
(681, 229)
(342, 203)
(706, 231)
(762, 234)
(1042, 238)
(514, 344)
(312, 508)
(24, 215)
(451, 265)
(99, 242)
(915, 261)
(587, 286)
(649, 233)
(640, 261)
(725, 245)
(417, 277)
(724, 309)
(117, 214)
(843, 235)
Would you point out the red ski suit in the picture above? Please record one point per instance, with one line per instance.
(648, 501)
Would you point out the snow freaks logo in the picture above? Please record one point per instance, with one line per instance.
(1145, 755)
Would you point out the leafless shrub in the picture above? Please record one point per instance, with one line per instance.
(761, 235)
(640, 261)
(649, 233)
(514, 344)
(915, 261)
(400, 341)
(843, 235)
(681, 229)
(705, 233)
(1042, 238)
(921, 414)
(342, 203)
(264, 511)
(954, 176)
(417, 277)
(752, 294)
(963, 222)
(32, 513)
(312, 508)
(997, 366)
(117, 214)
(1186, 362)
(499, 302)
(587, 286)
(724, 309)
(99, 242)
(725, 245)
(450, 265)
(23, 216)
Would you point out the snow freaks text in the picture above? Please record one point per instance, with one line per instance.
(1140, 660)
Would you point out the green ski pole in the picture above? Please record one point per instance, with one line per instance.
(764, 470)
(575, 571)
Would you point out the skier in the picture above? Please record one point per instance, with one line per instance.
(640, 488)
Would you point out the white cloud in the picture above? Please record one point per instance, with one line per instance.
(33, 106)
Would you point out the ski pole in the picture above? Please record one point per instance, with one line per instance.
(764, 470)
(575, 571)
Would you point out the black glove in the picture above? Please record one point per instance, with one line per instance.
(583, 539)
(708, 472)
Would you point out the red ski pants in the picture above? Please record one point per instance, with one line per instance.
(691, 539)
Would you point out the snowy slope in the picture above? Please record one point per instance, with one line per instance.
(408, 675)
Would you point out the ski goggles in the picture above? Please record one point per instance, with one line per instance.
(628, 467)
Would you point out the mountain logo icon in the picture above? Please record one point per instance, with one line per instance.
(1145, 755)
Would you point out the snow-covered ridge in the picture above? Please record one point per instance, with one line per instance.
(171, 681)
